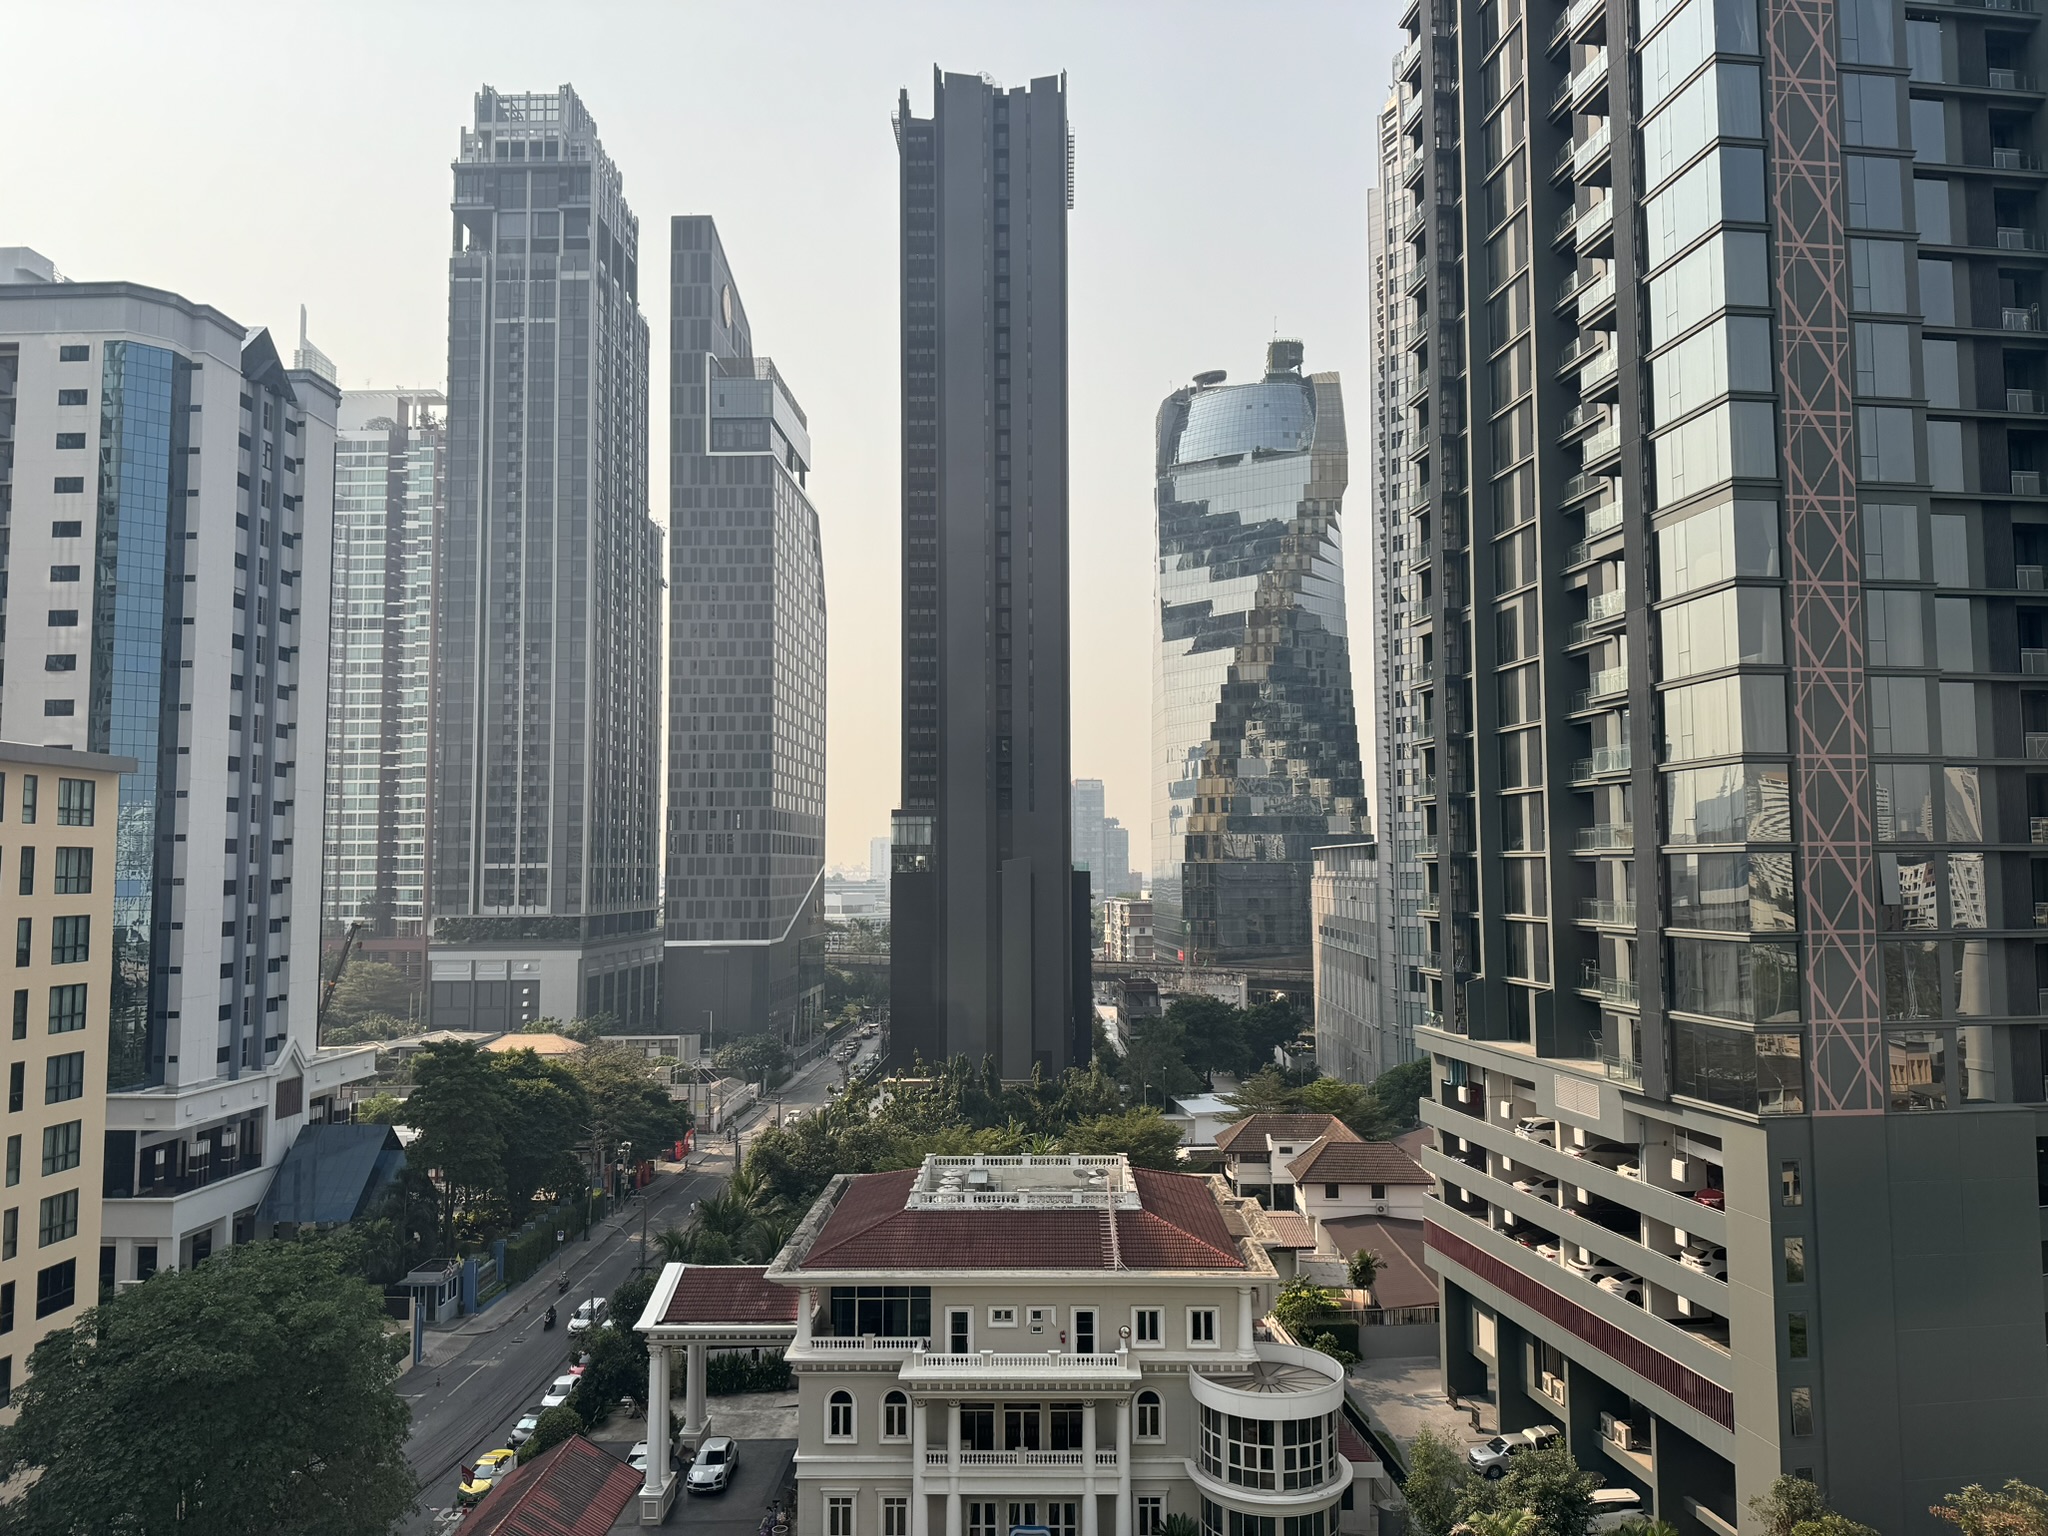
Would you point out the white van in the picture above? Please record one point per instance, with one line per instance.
(1614, 1508)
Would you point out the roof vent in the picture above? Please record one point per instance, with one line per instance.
(1210, 377)
(978, 1178)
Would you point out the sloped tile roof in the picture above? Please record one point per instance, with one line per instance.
(1290, 1229)
(729, 1293)
(572, 1489)
(1178, 1227)
(1289, 1128)
(1331, 1161)
(1404, 1279)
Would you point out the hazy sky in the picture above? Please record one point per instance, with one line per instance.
(259, 157)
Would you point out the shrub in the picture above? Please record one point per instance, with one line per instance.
(555, 1426)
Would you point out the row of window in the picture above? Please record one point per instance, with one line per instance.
(1147, 1327)
(75, 800)
(70, 940)
(1025, 1426)
(73, 872)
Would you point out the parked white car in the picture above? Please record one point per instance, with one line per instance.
(588, 1316)
(1541, 1185)
(1711, 1260)
(1538, 1130)
(557, 1393)
(1614, 1509)
(712, 1470)
(1628, 1287)
(1490, 1458)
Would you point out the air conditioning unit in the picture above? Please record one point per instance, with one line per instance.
(1618, 1431)
(1678, 1170)
(1379, 1207)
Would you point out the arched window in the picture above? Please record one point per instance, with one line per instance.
(895, 1416)
(839, 1416)
(1149, 1427)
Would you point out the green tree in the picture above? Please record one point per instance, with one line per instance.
(552, 1428)
(1301, 1302)
(753, 1058)
(372, 987)
(1268, 1091)
(1362, 1268)
(628, 1098)
(1500, 1522)
(370, 1026)
(1214, 1033)
(544, 1110)
(459, 1110)
(1399, 1092)
(626, 1305)
(381, 1108)
(1144, 1135)
(1155, 1068)
(1326, 1343)
(1353, 1103)
(1438, 1478)
(612, 1376)
(1793, 1506)
(301, 1431)
(1549, 1483)
(2017, 1509)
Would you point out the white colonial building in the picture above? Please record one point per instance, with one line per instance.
(987, 1343)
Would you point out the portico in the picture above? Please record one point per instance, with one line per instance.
(696, 1309)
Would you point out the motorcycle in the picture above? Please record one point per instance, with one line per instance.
(549, 1321)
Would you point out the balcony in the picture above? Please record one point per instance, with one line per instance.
(2034, 663)
(1602, 370)
(1606, 837)
(2041, 914)
(2037, 829)
(2023, 318)
(2037, 744)
(1602, 444)
(2029, 578)
(1586, 483)
(1590, 77)
(1606, 605)
(1408, 58)
(1605, 762)
(1612, 989)
(990, 1369)
(1596, 295)
(1603, 520)
(2025, 402)
(1595, 222)
(1621, 1070)
(2014, 160)
(975, 1460)
(867, 1345)
(1604, 686)
(2011, 238)
(2026, 482)
(1607, 914)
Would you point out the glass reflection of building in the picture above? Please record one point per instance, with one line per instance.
(1255, 744)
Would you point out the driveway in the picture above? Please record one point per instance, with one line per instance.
(763, 1469)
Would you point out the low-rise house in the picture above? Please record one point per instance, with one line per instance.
(1259, 1149)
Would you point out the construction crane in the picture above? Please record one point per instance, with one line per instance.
(348, 944)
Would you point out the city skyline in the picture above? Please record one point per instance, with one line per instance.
(1145, 317)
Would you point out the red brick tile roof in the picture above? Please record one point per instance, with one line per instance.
(1178, 1227)
(1334, 1161)
(1283, 1128)
(572, 1489)
(1291, 1228)
(729, 1293)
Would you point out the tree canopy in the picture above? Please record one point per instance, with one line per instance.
(299, 1432)
(1378, 1112)
(371, 987)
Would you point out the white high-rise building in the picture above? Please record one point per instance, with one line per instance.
(167, 576)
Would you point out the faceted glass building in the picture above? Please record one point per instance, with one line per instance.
(745, 937)
(1724, 542)
(547, 638)
(1255, 743)
(388, 456)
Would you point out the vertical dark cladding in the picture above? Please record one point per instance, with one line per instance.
(981, 918)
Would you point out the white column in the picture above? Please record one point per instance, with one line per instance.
(657, 1418)
(953, 1521)
(1090, 1519)
(920, 1512)
(693, 1398)
(803, 1315)
(1123, 1467)
(1244, 1318)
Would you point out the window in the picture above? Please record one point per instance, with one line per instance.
(1084, 1330)
(7, 1305)
(1877, 192)
(1870, 110)
(1802, 1411)
(1148, 1419)
(61, 1146)
(17, 1086)
(1147, 1327)
(1788, 1185)
(1877, 276)
(70, 940)
(959, 1331)
(10, 1233)
(1268, 1454)
(1884, 443)
(29, 783)
(1734, 353)
(839, 1416)
(67, 528)
(63, 1078)
(1795, 1335)
(75, 802)
(60, 663)
(1201, 1327)
(13, 1161)
(1331, 1192)
(1002, 1317)
(1151, 1514)
(63, 573)
(69, 485)
(57, 708)
(21, 1013)
(895, 1416)
(59, 1219)
(74, 354)
(1730, 268)
(67, 1008)
(895, 1515)
(56, 1287)
(25, 867)
(74, 872)
(23, 939)
(839, 1514)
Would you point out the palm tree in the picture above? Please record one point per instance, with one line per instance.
(674, 1244)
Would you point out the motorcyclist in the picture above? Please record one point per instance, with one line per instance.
(551, 1317)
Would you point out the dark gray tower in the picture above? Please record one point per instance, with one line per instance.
(546, 734)
(982, 888)
(745, 921)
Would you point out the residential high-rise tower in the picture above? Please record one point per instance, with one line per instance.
(389, 454)
(982, 899)
(746, 732)
(1722, 464)
(545, 782)
(1254, 740)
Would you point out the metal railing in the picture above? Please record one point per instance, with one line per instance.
(2018, 238)
(1605, 760)
(2009, 80)
(1596, 293)
(2025, 401)
(1608, 914)
(2034, 663)
(1601, 369)
(1606, 605)
(2026, 482)
(2025, 317)
(2014, 160)
(1605, 836)
(1621, 1070)
(2037, 743)
(2030, 578)
(1600, 444)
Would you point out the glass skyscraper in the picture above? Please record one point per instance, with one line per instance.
(1254, 738)
(547, 731)
(388, 460)
(745, 924)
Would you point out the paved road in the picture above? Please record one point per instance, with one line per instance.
(463, 1405)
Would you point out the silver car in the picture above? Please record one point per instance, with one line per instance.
(711, 1472)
